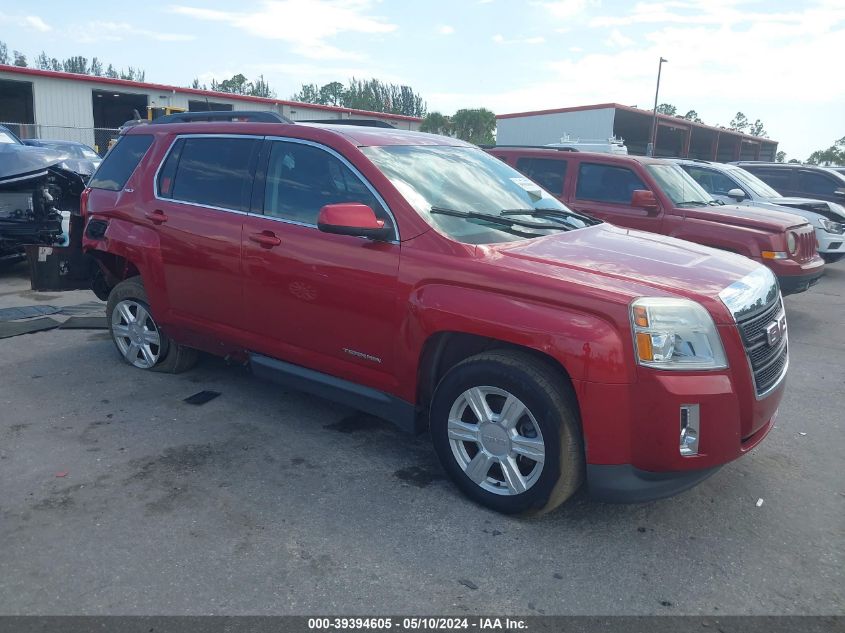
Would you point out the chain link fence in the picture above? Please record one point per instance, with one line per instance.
(98, 138)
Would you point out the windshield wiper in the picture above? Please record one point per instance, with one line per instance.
(497, 219)
(693, 202)
(716, 203)
(561, 215)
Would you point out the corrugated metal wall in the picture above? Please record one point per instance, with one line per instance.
(68, 103)
(542, 129)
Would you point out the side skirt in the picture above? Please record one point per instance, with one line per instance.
(383, 405)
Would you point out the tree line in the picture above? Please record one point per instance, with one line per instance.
(365, 94)
(740, 123)
(76, 64)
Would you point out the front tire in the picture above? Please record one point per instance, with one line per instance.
(832, 258)
(138, 338)
(505, 428)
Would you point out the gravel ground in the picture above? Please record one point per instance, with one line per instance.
(267, 501)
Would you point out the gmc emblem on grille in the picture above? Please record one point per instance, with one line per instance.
(775, 331)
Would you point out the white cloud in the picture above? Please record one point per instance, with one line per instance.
(305, 24)
(566, 9)
(617, 40)
(31, 22)
(501, 39)
(445, 29)
(119, 31)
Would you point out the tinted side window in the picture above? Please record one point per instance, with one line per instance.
(546, 172)
(217, 172)
(812, 182)
(776, 178)
(302, 179)
(606, 183)
(120, 162)
(710, 180)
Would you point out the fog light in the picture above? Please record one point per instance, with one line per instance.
(689, 430)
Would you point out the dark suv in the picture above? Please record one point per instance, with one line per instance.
(422, 280)
(792, 179)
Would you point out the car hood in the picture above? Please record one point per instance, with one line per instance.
(828, 209)
(630, 263)
(23, 160)
(743, 215)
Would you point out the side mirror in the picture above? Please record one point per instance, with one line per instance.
(644, 199)
(737, 194)
(352, 218)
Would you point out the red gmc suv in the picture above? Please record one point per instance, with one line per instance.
(655, 195)
(422, 280)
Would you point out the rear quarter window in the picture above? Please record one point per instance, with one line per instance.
(120, 162)
(215, 172)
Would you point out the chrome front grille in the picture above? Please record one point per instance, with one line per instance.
(768, 358)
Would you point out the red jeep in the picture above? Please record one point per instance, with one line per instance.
(657, 196)
(420, 279)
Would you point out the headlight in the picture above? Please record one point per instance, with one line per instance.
(675, 334)
(832, 227)
(791, 243)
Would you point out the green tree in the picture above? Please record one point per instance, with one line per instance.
(42, 62)
(20, 58)
(332, 94)
(474, 125)
(96, 67)
(260, 88)
(667, 108)
(739, 123)
(308, 93)
(78, 65)
(4, 53)
(833, 155)
(794, 160)
(780, 156)
(692, 115)
(757, 129)
(111, 72)
(436, 123)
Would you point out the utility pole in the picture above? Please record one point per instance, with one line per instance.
(652, 146)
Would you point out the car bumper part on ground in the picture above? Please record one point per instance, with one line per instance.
(623, 483)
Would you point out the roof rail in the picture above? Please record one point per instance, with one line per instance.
(245, 116)
(361, 122)
(550, 148)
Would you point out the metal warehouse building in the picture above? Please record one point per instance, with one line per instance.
(56, 105)
(675, 136)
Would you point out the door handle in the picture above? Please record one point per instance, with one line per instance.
(156, 217)
(266, 239)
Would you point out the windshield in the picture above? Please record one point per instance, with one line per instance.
(757, 186)
(467, 180)
(6, 137)
(679, 186)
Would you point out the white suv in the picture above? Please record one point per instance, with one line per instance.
(734, 185)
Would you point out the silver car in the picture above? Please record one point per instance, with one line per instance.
(734, 185)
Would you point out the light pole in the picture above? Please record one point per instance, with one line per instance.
(652, 146)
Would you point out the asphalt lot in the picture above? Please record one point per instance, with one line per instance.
(265, 501)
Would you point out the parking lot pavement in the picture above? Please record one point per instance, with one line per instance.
(271, 501)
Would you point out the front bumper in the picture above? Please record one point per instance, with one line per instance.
(830, 243)
(792, 284)
(623, 483)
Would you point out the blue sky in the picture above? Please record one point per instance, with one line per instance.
(771, 59)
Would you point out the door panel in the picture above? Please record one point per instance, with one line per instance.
(204, 188)
(328, 302)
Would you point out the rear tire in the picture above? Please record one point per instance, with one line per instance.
(137, 337)
(505, 427)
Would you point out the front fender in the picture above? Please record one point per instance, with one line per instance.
(588, 346)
